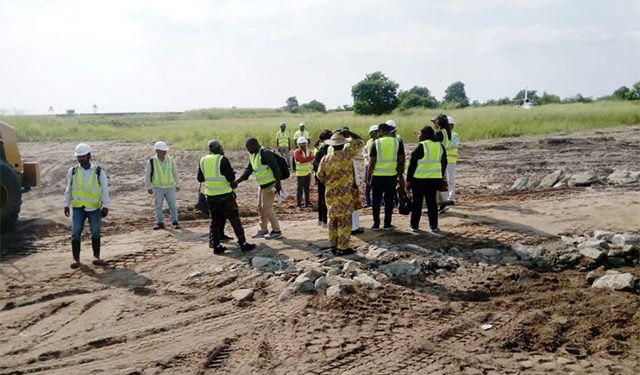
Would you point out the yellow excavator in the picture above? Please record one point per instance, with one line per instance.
(16, 177)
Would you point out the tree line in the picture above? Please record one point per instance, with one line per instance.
(377, 94)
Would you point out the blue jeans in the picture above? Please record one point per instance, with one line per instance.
(77, 222)
(160, 195)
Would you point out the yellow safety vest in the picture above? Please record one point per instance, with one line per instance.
(283, 138)
(214, 182)
(430, 166)
(452, 148)
(299, 134)
(89, 194)
(163, 173)
(386, 156)
(264, 174)
(303, 169)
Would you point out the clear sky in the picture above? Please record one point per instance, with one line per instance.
(161, 55)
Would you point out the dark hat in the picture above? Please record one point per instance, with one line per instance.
(440, 117)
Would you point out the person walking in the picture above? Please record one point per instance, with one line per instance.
(302, 133)
(427, 166)
(322, 150)
(448, 197)
(303, 159)
(373, 135)
(216, 173)
(265, 166)
(283, 141)
(386, 169)
(162, 180)
(342, 195)
(87, 192)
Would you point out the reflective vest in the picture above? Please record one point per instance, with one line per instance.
(429, 166)
(214, 182)
(264, 175)
(299, 134)
(367, 150)
(85, 194)
(386, 156)
(282, 138)
(452, 148)
(303, 169)
(163, 173)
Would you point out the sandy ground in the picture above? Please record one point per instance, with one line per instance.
(143, 314)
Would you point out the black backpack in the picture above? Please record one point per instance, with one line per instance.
(282, 164)
(98, 170)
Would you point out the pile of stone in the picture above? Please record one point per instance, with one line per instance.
(603, 247)
(562, 179)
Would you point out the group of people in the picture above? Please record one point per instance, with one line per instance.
(332, 163)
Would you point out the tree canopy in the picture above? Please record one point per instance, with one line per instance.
(456, 96)
(417, 97)
(375, 95)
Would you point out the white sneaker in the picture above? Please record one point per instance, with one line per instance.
(273, 235)
(414, 230)
(260, 234)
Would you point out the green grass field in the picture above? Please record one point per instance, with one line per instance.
(192, 129)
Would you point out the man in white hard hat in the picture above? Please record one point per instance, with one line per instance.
(303, 158)
(302, 133)
(87, 192)
(161, 179)
(451, 145)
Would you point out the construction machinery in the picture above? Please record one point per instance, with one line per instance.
(16, 177)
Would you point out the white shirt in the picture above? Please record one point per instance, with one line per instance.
(86, 173)
(147, 172)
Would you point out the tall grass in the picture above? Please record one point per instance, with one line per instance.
(192, 129)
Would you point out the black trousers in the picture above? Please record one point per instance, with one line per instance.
(303, 187)
(383, 186)
(426, 188)
(224, 207)
(322, 204)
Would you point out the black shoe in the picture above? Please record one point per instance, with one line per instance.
(224, 237)
(219, 249)
(75, 265)
(176, 225)
(357, 231)
(158, 226)
(366, 205)
(375, 228)
(247, 246)
(98, 262)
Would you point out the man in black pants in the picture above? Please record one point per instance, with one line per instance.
(218, 177)
(386, 170)
(424, 177)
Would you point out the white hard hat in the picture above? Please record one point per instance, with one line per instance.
(373, 128)
(391, 123)
(82, 149)
(161, 146)
(302, 140)
(301, 124)
(451, 120)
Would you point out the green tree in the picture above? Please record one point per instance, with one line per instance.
(417, 97)
(547, 98)
(314, 106)
(292, 105)
(634, 92)
(621, 93)
(375, 95)
(456, 96)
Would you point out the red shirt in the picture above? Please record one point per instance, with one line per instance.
(297, 154)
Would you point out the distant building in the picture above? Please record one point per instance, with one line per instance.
(71, 112)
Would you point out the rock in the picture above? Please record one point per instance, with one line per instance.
(595, 244)
(520, 183)
(367, 281)
(350, 268)
(285, 295)
(322, 244)
(551, 179)
(487, 252)
(615, 281)
(334, 272)
(242, 295)
(583, 179)
(592, 253)
(603, 235)
(572, 240)
(340, 290)
(631, 238)
(376, 253)
(618, 240)
(527, 252)
(402, 270)
(508, 260)
(616, 262)
(304, 284)
(194, 274)
(595, 274)
(267, 264)
(321, 283)
(623, 176)
(532, 183)
(312, 275)
(627, 249)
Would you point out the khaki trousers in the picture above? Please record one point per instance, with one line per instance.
(265, 209)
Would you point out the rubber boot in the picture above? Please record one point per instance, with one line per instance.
(75, 250)
(95, 245)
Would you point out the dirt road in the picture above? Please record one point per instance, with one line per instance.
(164, 304)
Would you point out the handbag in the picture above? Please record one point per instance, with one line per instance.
(405, 205)
(201, 204)
(444, 186)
